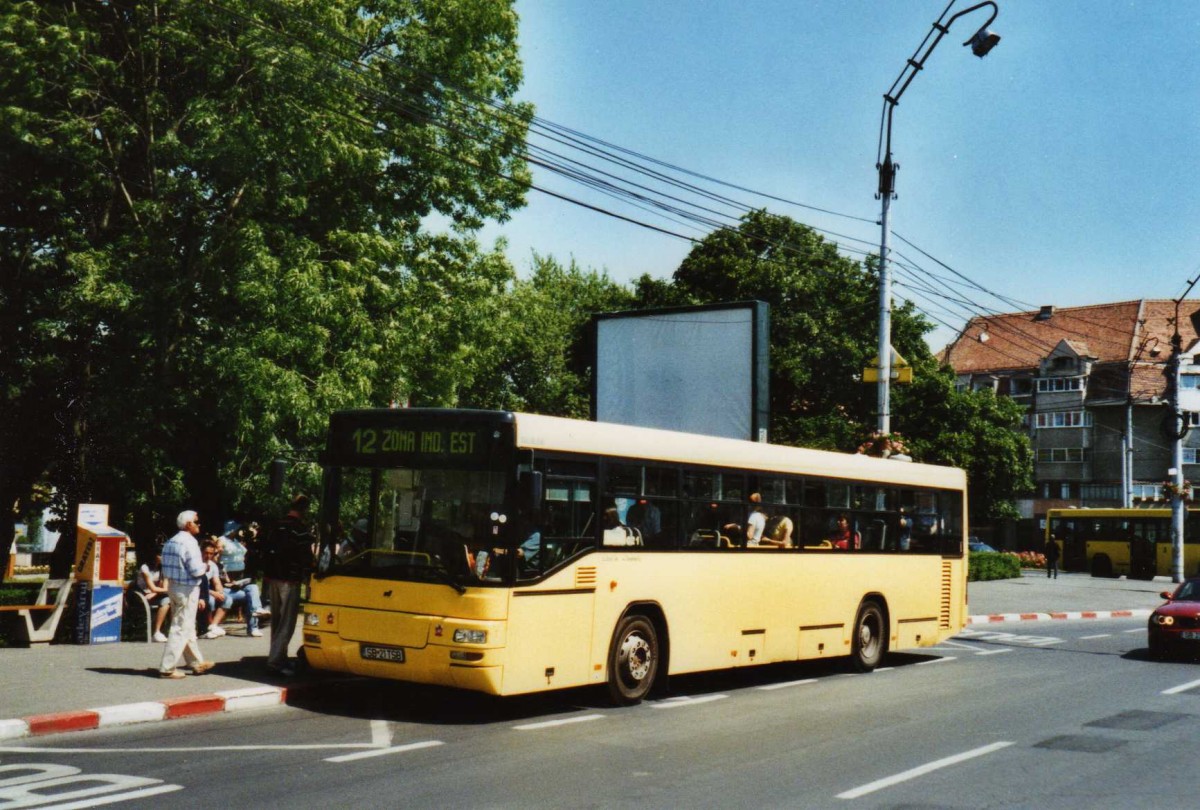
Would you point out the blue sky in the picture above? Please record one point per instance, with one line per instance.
(1054, 171)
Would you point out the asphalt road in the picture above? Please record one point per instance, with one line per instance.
(1019, 715)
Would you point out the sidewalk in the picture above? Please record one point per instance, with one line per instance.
(50, 689)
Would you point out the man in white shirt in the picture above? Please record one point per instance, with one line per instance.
(183, 567)
(756, 522)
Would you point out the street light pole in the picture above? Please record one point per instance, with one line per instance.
(981, 42)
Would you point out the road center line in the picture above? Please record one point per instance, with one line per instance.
(675, 703)
(786, 684)
(1137, 630)
(879, 784)
(552, 723)
(995, 652)
(1098, 635)
(378, 752)
(1183, 687)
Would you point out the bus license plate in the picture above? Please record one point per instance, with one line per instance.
(393, 654)
(1191, 635)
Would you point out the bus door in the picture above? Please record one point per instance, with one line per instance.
(1143, 537)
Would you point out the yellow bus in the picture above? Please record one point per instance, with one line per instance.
(1114, 542)
(511, 553)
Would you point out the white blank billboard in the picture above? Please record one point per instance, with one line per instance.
(696, 369)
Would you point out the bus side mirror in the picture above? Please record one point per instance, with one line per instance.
(532, 486)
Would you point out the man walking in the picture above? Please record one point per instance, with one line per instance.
(1052, 558)
(287, 560)
(183, 568)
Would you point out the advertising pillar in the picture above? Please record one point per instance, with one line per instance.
(99, 576)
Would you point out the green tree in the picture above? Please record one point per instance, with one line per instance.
(543, 359)
(218, 221)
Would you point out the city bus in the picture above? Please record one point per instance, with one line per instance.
(1112, 542)
(511, 553)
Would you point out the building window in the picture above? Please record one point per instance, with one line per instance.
(1064, 419)
(1062, 363)
(1064, 490)
(1020, 386)
(1193, 418)
(1100, 492)
(1060, 455)
(1189, 455)
(1189, 382)
(1147, 491)
(1050, 385)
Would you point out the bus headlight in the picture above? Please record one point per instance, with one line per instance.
(311, 620)
(463, 636)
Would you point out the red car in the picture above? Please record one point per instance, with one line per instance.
(1175, 626)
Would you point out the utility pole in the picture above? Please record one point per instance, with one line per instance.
(981, 42)
(1178, 430)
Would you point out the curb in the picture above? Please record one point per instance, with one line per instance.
(1141, 613)
(231, 700)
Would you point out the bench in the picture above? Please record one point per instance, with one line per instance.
(40, 630)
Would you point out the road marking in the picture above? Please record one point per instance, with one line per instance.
(786, 684)
(880, 784)
(936, 660)
(64, 787)
(995, 652)
(1136, 630)
(564, 722)
(189, 749)
(683, 700)
(1098, 635)
(120, 797)
(379, 752)
(381, 733)
(1183, 687)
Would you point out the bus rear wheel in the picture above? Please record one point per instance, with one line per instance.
(633, 660)
(1102, 566)
(870, 638)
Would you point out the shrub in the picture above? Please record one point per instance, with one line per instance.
(987, 565)
(1032, 559)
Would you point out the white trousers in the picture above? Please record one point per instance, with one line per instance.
(181, 640)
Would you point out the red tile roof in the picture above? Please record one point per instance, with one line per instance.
(1111, 333)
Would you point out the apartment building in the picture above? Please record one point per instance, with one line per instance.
(1094, 383)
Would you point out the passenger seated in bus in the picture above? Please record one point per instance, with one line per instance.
(617, 533)
(646, 518)
(843, 537)
(777, 533)
(756, 521)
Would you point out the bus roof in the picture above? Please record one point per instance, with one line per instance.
(602, 438)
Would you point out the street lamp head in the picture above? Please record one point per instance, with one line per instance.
(983, 41)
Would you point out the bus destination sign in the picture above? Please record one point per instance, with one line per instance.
(386, 441)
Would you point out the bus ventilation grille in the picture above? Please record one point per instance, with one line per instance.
(585, 576)
(947, 588)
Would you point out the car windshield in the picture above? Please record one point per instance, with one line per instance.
(1188, 591)
(424, 524)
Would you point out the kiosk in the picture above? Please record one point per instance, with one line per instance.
(99, 576)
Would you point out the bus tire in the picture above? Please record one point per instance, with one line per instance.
(633, 660)
(1102, 566)
(869, 642)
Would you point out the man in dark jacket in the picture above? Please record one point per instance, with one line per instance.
(286, 560)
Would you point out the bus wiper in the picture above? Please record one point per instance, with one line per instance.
(445, 576)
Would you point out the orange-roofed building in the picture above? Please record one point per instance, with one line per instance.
(1088, 377)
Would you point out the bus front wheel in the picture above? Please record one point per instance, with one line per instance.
(870, 637)
(633, 660)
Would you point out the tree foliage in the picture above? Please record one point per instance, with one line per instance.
(219, 221)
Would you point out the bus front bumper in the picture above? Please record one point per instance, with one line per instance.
(479, 670)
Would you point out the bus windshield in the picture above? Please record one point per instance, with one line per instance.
(423, 524)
